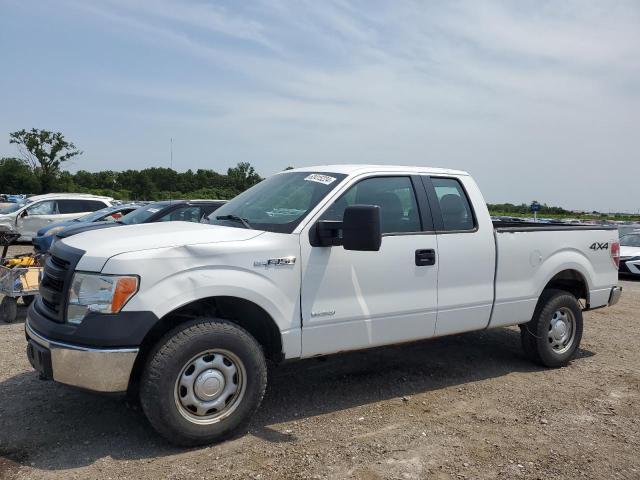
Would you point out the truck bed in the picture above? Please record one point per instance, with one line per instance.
(531, 255)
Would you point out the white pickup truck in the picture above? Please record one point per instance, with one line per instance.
(308, 262)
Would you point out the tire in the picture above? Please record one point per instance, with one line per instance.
(9, 309)
(553, 335)
(197, 361)
(28, 300)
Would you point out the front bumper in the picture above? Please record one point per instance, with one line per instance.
(97, 369)
(630, 265)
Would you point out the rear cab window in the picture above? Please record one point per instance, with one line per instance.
(452, 202)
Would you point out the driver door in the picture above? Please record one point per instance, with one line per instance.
(357, 299)
(36, 216)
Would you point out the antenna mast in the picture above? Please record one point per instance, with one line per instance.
(170, 160)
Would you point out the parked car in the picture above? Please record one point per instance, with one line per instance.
(15, 198)
(630, 253)
(164, 211)
(36, 212)
(504, 218)
(44, 237)
(625, 229)
(308, 262)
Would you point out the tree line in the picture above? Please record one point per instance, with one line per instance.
(42, 154)
(525, 209)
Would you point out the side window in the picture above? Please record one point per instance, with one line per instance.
(92, 205)
(395, 197)
(207, 210)
(42, 208)
(454, 204)
(185, 214)
(113, 216)
(71, 206)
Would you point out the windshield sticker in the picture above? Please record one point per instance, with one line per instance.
(153, 210)
(323, 179)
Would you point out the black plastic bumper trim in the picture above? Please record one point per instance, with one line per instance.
(124, 329)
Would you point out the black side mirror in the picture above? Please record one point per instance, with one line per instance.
(361, 228)
(24, 213)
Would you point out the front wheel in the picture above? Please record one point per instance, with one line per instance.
(203, 382)
(553, 335)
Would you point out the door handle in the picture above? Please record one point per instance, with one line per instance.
(425, 257)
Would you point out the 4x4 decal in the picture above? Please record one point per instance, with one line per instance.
(599, 246)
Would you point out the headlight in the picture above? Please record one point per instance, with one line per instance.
(53, 231)
(92, 292)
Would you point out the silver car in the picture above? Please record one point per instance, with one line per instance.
(28, 217)
(630, 253)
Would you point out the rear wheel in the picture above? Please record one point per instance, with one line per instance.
(553, 335)
(203, 382)
(9, 309)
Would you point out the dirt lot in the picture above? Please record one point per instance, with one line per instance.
(468, 406)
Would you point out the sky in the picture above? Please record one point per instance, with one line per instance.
(536, 99)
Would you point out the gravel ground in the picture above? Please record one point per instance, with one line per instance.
(467, 406)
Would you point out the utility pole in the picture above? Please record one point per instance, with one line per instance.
(170, 160)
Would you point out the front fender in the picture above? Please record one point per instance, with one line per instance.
(188, 286)
(173, 277)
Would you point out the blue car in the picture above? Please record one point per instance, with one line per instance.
(44, 238)
(16, 198)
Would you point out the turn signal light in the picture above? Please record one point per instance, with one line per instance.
(126, 287)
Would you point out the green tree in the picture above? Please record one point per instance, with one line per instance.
(16, 177)
(243, 176)
(44, 152)
(85, 179)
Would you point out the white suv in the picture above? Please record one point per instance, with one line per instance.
(36, 212)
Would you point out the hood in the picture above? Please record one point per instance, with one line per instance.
(102, 244)
(8, 221)
(78, 227)
(44, 230)
(8, 216)
(626, 252)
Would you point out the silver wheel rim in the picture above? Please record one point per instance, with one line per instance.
(562, 330)
(210, 386)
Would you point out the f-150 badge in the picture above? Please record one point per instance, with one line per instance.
(274, 262)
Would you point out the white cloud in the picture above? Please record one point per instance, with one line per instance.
(472, 85)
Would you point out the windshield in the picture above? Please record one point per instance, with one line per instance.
(279, 203)
(143, 214)
(93, 216)
(12, 208)
(630, 240)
